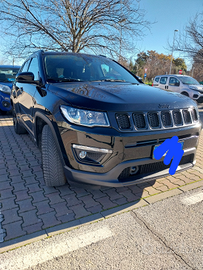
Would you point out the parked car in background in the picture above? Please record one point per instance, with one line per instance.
(97, 123)
(183, 84)
(7, 76)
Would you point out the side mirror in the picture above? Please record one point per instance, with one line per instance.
(177, 84)
(25, 77)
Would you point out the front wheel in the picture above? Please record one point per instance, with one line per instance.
(51, 161)
(185, 94)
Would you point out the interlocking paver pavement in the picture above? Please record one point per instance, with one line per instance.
(28, 206)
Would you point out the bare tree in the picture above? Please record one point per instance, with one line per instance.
(190, 40)
(72, 25)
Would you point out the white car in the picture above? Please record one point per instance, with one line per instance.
(182, 84)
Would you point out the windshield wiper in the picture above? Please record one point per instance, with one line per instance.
(70, 80)
(113, 80)
(52, 80)
(108, 80)
(63, 80)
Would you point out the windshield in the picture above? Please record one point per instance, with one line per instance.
(8, 74)
(188, 80)
(74, 67)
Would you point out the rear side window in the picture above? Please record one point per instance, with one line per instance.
(163, 80)
(157, 79)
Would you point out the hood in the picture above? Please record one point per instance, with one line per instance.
(107, 96)
(196, 87)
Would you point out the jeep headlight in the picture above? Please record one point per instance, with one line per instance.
(5, 89)
(85, 117)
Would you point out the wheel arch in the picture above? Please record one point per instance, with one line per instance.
(40, 121)
(185, 93)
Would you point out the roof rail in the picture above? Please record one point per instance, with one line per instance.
(42, 51)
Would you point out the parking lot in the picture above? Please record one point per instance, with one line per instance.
(29, 209)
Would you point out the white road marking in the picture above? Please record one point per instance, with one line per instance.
(29, 256)
(193, 199)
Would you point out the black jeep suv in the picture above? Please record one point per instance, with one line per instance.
(97, 123)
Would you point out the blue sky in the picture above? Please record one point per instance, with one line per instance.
(169, 15)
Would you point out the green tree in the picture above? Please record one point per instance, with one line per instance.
(179, 63)
(157, 64)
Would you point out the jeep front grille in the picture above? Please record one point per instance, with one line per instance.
(139, 120)
(123, 121)
(187, 117)
(156, 119)
(194, 115)
(153, 119)
(166, 119)
(177, 118)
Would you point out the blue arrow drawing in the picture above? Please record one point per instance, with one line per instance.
(173, 150)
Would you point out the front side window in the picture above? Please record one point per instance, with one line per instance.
(174, 82)
(163, 80)
(8, 74)
(157, 79)
(34, 68)
(25, 66)
(75, 67)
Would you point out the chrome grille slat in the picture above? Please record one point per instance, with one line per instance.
(152, 120)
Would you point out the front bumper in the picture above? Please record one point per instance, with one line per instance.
(200, 99)
(128, 150)
(112, 178)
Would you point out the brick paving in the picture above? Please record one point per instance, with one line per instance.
(28, 206)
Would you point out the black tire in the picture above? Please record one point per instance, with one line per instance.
(17, 127)
(51, 161)
(185, 94)
(3, 112)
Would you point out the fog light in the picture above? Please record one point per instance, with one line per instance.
(5, 104)
(90, 155)
(134, 170)
(82, 154)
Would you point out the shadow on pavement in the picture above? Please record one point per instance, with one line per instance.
(29, 209)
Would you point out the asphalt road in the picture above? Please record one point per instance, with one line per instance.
(163, 235)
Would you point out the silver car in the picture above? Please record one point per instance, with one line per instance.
(183, 84)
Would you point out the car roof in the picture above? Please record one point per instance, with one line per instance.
(72, 53)
(9, 66)
(177, 75)
(65, 53)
